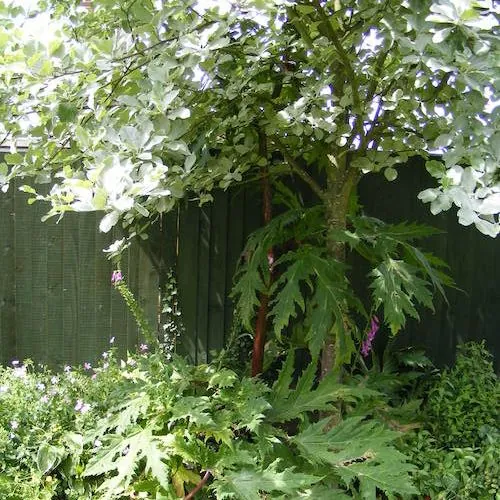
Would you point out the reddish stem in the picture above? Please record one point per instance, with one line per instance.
(261, 324)
(199, 486)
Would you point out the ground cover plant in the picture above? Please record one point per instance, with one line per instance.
(457, 450)
(151, 428)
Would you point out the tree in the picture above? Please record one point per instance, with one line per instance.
(130, 106)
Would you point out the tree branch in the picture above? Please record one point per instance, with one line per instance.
(334, 38)
(297, 169)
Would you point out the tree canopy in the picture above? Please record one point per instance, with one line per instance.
(129, 106)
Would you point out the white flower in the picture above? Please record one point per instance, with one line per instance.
(14, 424)
(20, 372)
(81, 406)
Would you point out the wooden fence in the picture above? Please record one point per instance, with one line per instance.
(57, 305)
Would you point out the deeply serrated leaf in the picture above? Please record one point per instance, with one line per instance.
(361, 450)
(250, 483)
(397, 287)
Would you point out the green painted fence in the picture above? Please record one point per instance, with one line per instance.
(57, 304)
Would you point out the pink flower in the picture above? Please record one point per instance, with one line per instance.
(143, 347)
(116, 277)
(366, 345)
(87, 366)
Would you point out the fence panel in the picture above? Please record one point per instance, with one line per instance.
(57, 304)
(210, 243)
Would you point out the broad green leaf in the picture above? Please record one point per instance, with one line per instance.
(359, 449)
(48, 457)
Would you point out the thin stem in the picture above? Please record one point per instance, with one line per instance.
(335, 39)
(199, 486)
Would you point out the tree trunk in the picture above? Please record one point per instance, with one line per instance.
(337, 205)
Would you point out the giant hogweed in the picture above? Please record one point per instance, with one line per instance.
(311, 284)
(170, 424)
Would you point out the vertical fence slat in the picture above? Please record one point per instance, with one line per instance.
(234, 246)
(204, 275)
(7, 281)
(218, 270)
(147, 289)
(55, 293)
(87, 254)
(71, 287)
(39, 286)
(102, 274)
(187, 275)
(24, 222)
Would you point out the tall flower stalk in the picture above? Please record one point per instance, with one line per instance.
(145, 328)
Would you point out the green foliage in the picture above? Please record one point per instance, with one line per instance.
(151, 427)
(311, 288)
(449, 463)
(129, 106)
(457, 451)
(466, 399)
(457, 472)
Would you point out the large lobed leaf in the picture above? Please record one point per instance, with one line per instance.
(252, 483)
(361, 450)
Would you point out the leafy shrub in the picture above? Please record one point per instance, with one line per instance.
(457, 452)
(465, 399)
(152, 429)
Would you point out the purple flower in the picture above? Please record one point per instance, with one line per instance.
(116, 277)
(366, 345)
